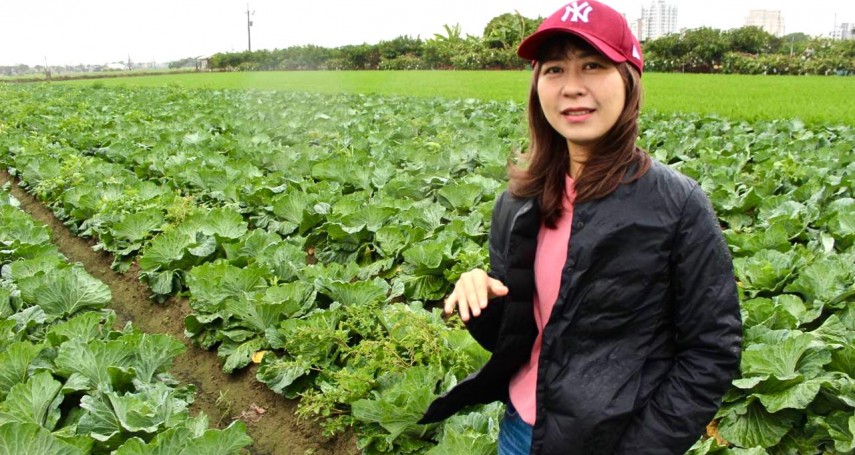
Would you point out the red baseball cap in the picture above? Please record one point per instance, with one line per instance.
(594, 22)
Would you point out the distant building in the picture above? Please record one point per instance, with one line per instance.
(657, 19)
(634, 26)
(770, 21)
(637, 28)
(845, 30)
(203, 62)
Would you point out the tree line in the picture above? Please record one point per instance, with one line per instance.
(746, 50)
(495, 49)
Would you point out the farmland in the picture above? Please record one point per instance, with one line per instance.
(816, 100)
(315, 232)
(71, 384)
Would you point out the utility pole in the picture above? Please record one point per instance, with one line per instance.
(248, 25)
(834, 30)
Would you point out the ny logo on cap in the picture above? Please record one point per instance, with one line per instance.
(579, 12)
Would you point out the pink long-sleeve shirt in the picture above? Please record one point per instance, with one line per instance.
(548, 263)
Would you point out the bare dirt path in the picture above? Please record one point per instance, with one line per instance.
(269, 417)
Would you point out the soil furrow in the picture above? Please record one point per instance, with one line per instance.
(269, 417)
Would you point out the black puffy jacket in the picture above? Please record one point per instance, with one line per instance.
(645, 336)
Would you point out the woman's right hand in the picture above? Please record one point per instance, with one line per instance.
(471, 293)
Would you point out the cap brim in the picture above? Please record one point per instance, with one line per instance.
(528, 50)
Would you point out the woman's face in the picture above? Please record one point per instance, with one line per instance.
(582, 95)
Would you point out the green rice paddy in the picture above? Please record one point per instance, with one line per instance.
(813, 99)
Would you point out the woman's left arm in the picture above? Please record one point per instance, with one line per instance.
(708, 333)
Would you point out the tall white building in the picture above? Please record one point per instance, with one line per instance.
(770, 21)
(657, 19)
(845, 30)
(637, 28)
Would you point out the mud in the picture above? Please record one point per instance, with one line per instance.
(269, 417)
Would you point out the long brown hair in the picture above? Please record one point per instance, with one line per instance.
(549, 159)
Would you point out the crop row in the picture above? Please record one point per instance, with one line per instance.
(318, 228)
(249, 279)
(69, 383)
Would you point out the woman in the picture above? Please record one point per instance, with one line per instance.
(611, 308)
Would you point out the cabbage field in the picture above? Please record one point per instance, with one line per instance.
(69, 384)
(314, 234)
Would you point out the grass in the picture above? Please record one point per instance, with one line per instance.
(813, 99)
(452, 84)
(66, 75)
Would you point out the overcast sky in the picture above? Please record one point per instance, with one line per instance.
(100, 31)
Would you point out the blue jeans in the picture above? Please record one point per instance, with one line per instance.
(514, 434)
